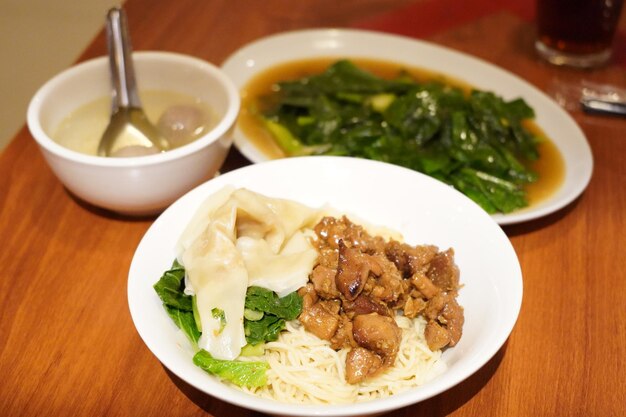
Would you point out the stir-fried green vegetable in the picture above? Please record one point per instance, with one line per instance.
(274, 312)
(248, 374)
(265, 317)
(475, 142)
(179, 306)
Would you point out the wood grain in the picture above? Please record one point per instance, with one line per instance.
(67, 342)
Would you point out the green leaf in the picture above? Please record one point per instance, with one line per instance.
(275, 311)
(253, 350)
(415, 116)
(284, 138)
(241, 373)
(492, 193)
(170, 288)
(179, 306)
(261, 299)
(265, 330)
(196, 313)
(344, 77)
(520, 109)
(218, 313)
(186, 322)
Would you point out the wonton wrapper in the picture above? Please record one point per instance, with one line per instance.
(236, 239)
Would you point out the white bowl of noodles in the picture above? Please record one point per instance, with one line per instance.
(422, 209)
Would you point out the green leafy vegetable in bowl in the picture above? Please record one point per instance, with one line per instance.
(264, 319)
(249, 374)
(274, 312)
(476, 141)
(179, 306)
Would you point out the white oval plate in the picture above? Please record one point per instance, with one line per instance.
(262, 54)
(422, 209)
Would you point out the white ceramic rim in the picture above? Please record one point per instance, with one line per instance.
(214, 134)
(558, 124)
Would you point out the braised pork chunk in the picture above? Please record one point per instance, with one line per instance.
(361, 282)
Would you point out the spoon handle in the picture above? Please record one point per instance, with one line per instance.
(120, 58)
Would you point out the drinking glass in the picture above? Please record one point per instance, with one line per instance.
(576, 33)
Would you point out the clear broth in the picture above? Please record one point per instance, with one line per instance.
(82, 129)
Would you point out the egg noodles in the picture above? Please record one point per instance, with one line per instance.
(304, 369)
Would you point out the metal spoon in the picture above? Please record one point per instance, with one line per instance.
(597, 105)
(129, 126)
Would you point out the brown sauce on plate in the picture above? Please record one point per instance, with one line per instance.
(550, 166)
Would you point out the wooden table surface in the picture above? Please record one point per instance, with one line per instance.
(67, 342)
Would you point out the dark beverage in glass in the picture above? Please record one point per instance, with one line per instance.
(576, 32)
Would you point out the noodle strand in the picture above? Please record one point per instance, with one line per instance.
(306, 370)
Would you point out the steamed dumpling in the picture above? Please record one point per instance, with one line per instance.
(282, 272)
(201, 219)
(217, 275)
(271, 219)
(236, 239)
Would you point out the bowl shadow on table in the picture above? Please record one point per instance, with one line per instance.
(109, 214)
(454, 398)
(439, 405)
(540, 223)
